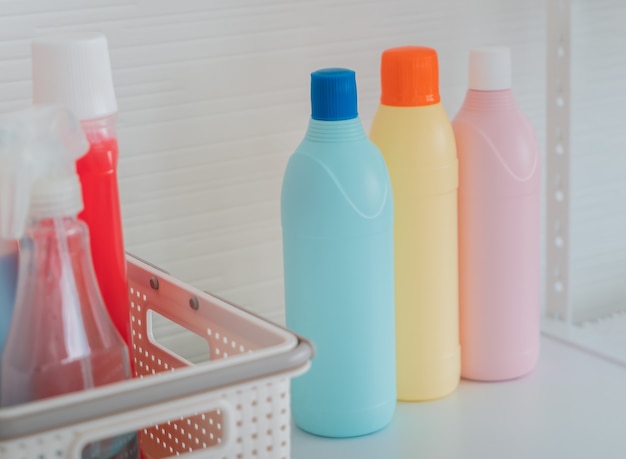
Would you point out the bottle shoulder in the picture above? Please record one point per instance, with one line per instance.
(497, 149)
(72, 229)
(420, 137)
(336, 187)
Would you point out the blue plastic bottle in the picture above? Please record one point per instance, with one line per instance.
(337, 219)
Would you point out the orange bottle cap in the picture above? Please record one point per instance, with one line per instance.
(409, 76)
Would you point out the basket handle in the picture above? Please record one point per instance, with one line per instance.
(138, 419)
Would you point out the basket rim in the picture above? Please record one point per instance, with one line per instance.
(71, 409)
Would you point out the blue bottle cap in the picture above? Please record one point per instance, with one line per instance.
(333, 94)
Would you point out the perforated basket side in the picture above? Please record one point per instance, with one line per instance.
(256, 426)
(260, 423)
(51, 445)
(261, 414)
(176, 436)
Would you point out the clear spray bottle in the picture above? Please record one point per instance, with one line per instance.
(61, 338)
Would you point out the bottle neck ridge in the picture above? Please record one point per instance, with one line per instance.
(335, 131)
(489, 101)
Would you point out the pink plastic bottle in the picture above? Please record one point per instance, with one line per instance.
(499, 224)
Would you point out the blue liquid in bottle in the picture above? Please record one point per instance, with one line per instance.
(8, 285)
(337, 219)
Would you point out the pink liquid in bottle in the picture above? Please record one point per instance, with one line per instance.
(62, 339)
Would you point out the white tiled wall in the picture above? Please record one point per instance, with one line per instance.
(598, 159)
(214, 94)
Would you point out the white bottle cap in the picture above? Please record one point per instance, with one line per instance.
(74, 70)
(490, 68)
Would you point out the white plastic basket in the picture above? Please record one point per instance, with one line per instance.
(236, 405)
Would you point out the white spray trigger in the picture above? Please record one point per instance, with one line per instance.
(38, 150)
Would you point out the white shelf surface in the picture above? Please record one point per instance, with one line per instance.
(572, 406)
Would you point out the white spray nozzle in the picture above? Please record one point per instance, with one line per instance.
(38, 150)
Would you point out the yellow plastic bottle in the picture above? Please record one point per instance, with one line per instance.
(413, 132)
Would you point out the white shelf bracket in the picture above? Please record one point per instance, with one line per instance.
(558, 160)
